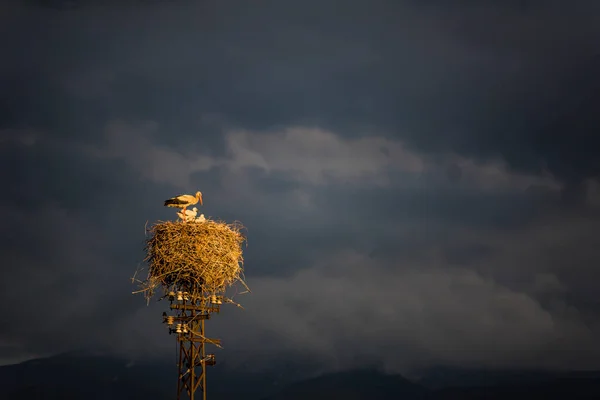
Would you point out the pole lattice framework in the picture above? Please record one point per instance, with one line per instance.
(188, 324)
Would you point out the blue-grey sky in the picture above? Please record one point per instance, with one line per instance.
(419, 181)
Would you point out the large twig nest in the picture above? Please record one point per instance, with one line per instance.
(194, 256)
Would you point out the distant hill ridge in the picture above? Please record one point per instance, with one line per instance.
(84, 375)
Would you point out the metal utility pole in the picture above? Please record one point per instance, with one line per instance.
(188, 324)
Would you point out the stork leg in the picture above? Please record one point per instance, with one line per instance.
(183, 214)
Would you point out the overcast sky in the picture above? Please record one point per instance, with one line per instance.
(420, 183)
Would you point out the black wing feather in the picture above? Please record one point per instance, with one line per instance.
(174, 201)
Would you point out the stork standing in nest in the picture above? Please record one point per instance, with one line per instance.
(183, 201)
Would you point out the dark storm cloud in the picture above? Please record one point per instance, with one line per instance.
(412, 135)
(444, 77)
(292, 226)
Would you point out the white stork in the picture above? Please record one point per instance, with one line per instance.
(184, 200)
(188, 215)
(201, 218)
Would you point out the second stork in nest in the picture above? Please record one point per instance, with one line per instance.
(188, 215)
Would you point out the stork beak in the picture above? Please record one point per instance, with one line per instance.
(200, 198)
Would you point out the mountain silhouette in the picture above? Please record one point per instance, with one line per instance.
(351, 385)
(96, 377)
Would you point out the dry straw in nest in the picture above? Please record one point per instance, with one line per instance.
(194, 256)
